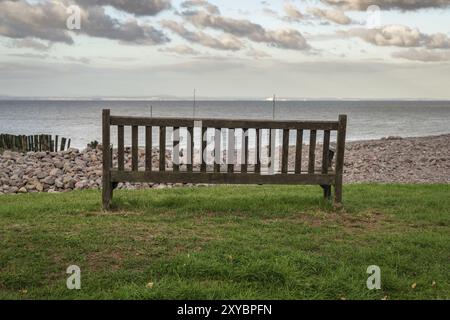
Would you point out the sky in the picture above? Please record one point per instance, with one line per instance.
(299, 49)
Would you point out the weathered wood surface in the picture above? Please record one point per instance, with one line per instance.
(220, 178)
(312, 151)
(225, 123)
(106, 175)
(212, 173)
(148, 149)
(162, 148)
(24, 143)
(121, 147)
(340, 150)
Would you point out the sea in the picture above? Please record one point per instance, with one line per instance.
(367, 120)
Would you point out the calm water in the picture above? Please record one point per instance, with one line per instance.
(81, 120)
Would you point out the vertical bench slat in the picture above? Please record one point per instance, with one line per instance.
(285, 156)
(176, 149)
(217, 151)
(244, 164)
(340, 149)
(190, 149)
(326, 148)
(106, 175)
(148, 148)
(325, 162)
(258, 152)
(269, 149)
(162, 148)
(134, 148)
(120, 148)
(312, 151)
(298, 152)
(203, 149)
(231, 156)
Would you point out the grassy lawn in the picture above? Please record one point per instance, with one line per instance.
(270, 242)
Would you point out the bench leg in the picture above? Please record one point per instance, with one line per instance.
(338, 192)
(326, 192)
(107, 192)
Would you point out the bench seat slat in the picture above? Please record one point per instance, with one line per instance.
(220, 178)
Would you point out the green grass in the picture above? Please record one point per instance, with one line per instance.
(246, 242)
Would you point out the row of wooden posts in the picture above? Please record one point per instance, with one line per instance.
(38, 142)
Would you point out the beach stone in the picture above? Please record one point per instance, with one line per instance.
(12, 189)
(59, 183)
(80, 185)
(39, 187)
(41, 175)
(49, 180)
(69, 185)
(56, 172)
(388, 160)
(23, 190)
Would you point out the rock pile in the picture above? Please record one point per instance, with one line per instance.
(389, 160)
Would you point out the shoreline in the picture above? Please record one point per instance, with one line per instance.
(406, 160)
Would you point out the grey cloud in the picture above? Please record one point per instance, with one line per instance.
(257, 54)
(399, 36)
(225, 42)
(42, 56)
(137, 7)
(423, 55)
(97, 23)
(29, 55)
(213, 9)
(336, 16)
(77, 60)
(31, 43)
(292, 13)
(181, 50)
(285, 38)
(47, 21)
(362, 5)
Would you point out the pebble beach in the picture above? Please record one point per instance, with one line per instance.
(388, 160)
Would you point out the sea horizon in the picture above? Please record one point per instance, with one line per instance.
(80, 120)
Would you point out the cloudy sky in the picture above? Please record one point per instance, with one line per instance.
(226, 48)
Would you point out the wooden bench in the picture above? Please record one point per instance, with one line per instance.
(228, 171)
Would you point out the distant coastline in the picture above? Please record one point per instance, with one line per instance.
(80, 120)
(163, 98)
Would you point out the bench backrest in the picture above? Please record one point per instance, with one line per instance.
(246, 172)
